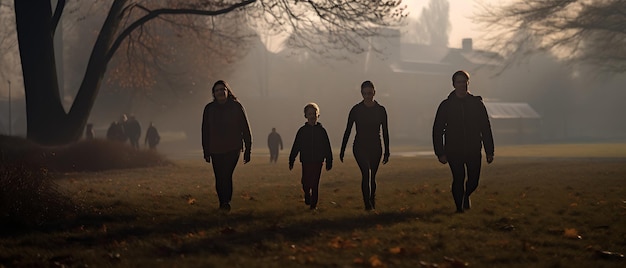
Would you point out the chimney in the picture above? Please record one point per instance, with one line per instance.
(467, 44)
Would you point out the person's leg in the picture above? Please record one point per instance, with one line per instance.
(224, 166)
(457, 166)
(473, 175)
(374, 161)
(273, 155)
(306, 189)
(316, 173)
(364, 165)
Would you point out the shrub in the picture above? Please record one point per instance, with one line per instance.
(28, 194)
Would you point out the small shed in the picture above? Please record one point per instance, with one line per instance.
(514, 122)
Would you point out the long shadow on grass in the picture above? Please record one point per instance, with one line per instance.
(260, 232)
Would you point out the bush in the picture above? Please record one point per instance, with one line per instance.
(29, 197)
(28, 194)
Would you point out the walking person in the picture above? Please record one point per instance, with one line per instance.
(369, 118)
(313, 145)
(133, 131)
(460, 130)
(274, 141)
(89, 132)
(225, 134)
(152, 137)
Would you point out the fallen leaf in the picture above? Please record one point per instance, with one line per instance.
(191, 201)
(396, 250)
(376, 262)
(571, 233)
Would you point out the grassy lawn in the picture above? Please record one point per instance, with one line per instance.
(536, 206)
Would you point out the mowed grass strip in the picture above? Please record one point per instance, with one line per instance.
(532, 209)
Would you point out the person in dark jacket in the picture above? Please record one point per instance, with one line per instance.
(369, 117)
(152, 137)
(225, 133)
(314, 147)
(133, 131)
(274, 141)
(460, 130)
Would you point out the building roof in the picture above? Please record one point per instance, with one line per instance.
(510, 110)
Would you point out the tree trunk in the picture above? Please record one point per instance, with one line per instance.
(44, 110)
(47, 121)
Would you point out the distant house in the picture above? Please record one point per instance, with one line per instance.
(514, 122)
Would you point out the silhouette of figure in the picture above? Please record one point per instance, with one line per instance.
(273, 142)
(369, 117)
(460, 130)
(133, 131)
(89, 132)
(313, 145)
(225, 131)
(152, 137)
(116, 130)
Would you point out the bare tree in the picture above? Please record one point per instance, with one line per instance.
(346, 21)
(434, 26)
(577, 31)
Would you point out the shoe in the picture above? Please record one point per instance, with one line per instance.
(466, 202)
(459, 211)
(225, 207)
(313, 207)
(307, 199)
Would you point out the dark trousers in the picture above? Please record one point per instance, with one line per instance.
(462, 189)
(311, 173)
(223, 167)
(368, 159)
(273, 154)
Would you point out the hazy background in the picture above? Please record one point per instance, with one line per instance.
(412, 76)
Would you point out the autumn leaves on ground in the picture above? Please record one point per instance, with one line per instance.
(537, 206)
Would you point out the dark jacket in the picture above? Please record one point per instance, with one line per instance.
(462, 127)
(224, 127)
(313, 145)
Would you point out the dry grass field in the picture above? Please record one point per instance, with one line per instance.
(536, 206)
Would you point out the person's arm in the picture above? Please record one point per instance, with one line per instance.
(206, 137)
(439, 127)
(346, 133)
(280, 141)
(328, 151)
(486, 134)
(246, 135)
(385, 135)
(295, 149)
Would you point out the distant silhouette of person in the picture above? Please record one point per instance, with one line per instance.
(460, 130)
(369, 117)
(313, 145)
(225, 133)
(133, 131)
(152, 137)
(89, 132)
(273, 143)
(116, 132)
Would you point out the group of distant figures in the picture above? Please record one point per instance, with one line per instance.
(128, 129)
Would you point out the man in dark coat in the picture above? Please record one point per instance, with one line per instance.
(273, 143)
(460, 130)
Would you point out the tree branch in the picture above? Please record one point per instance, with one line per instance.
(167, 11)
(56, 17)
